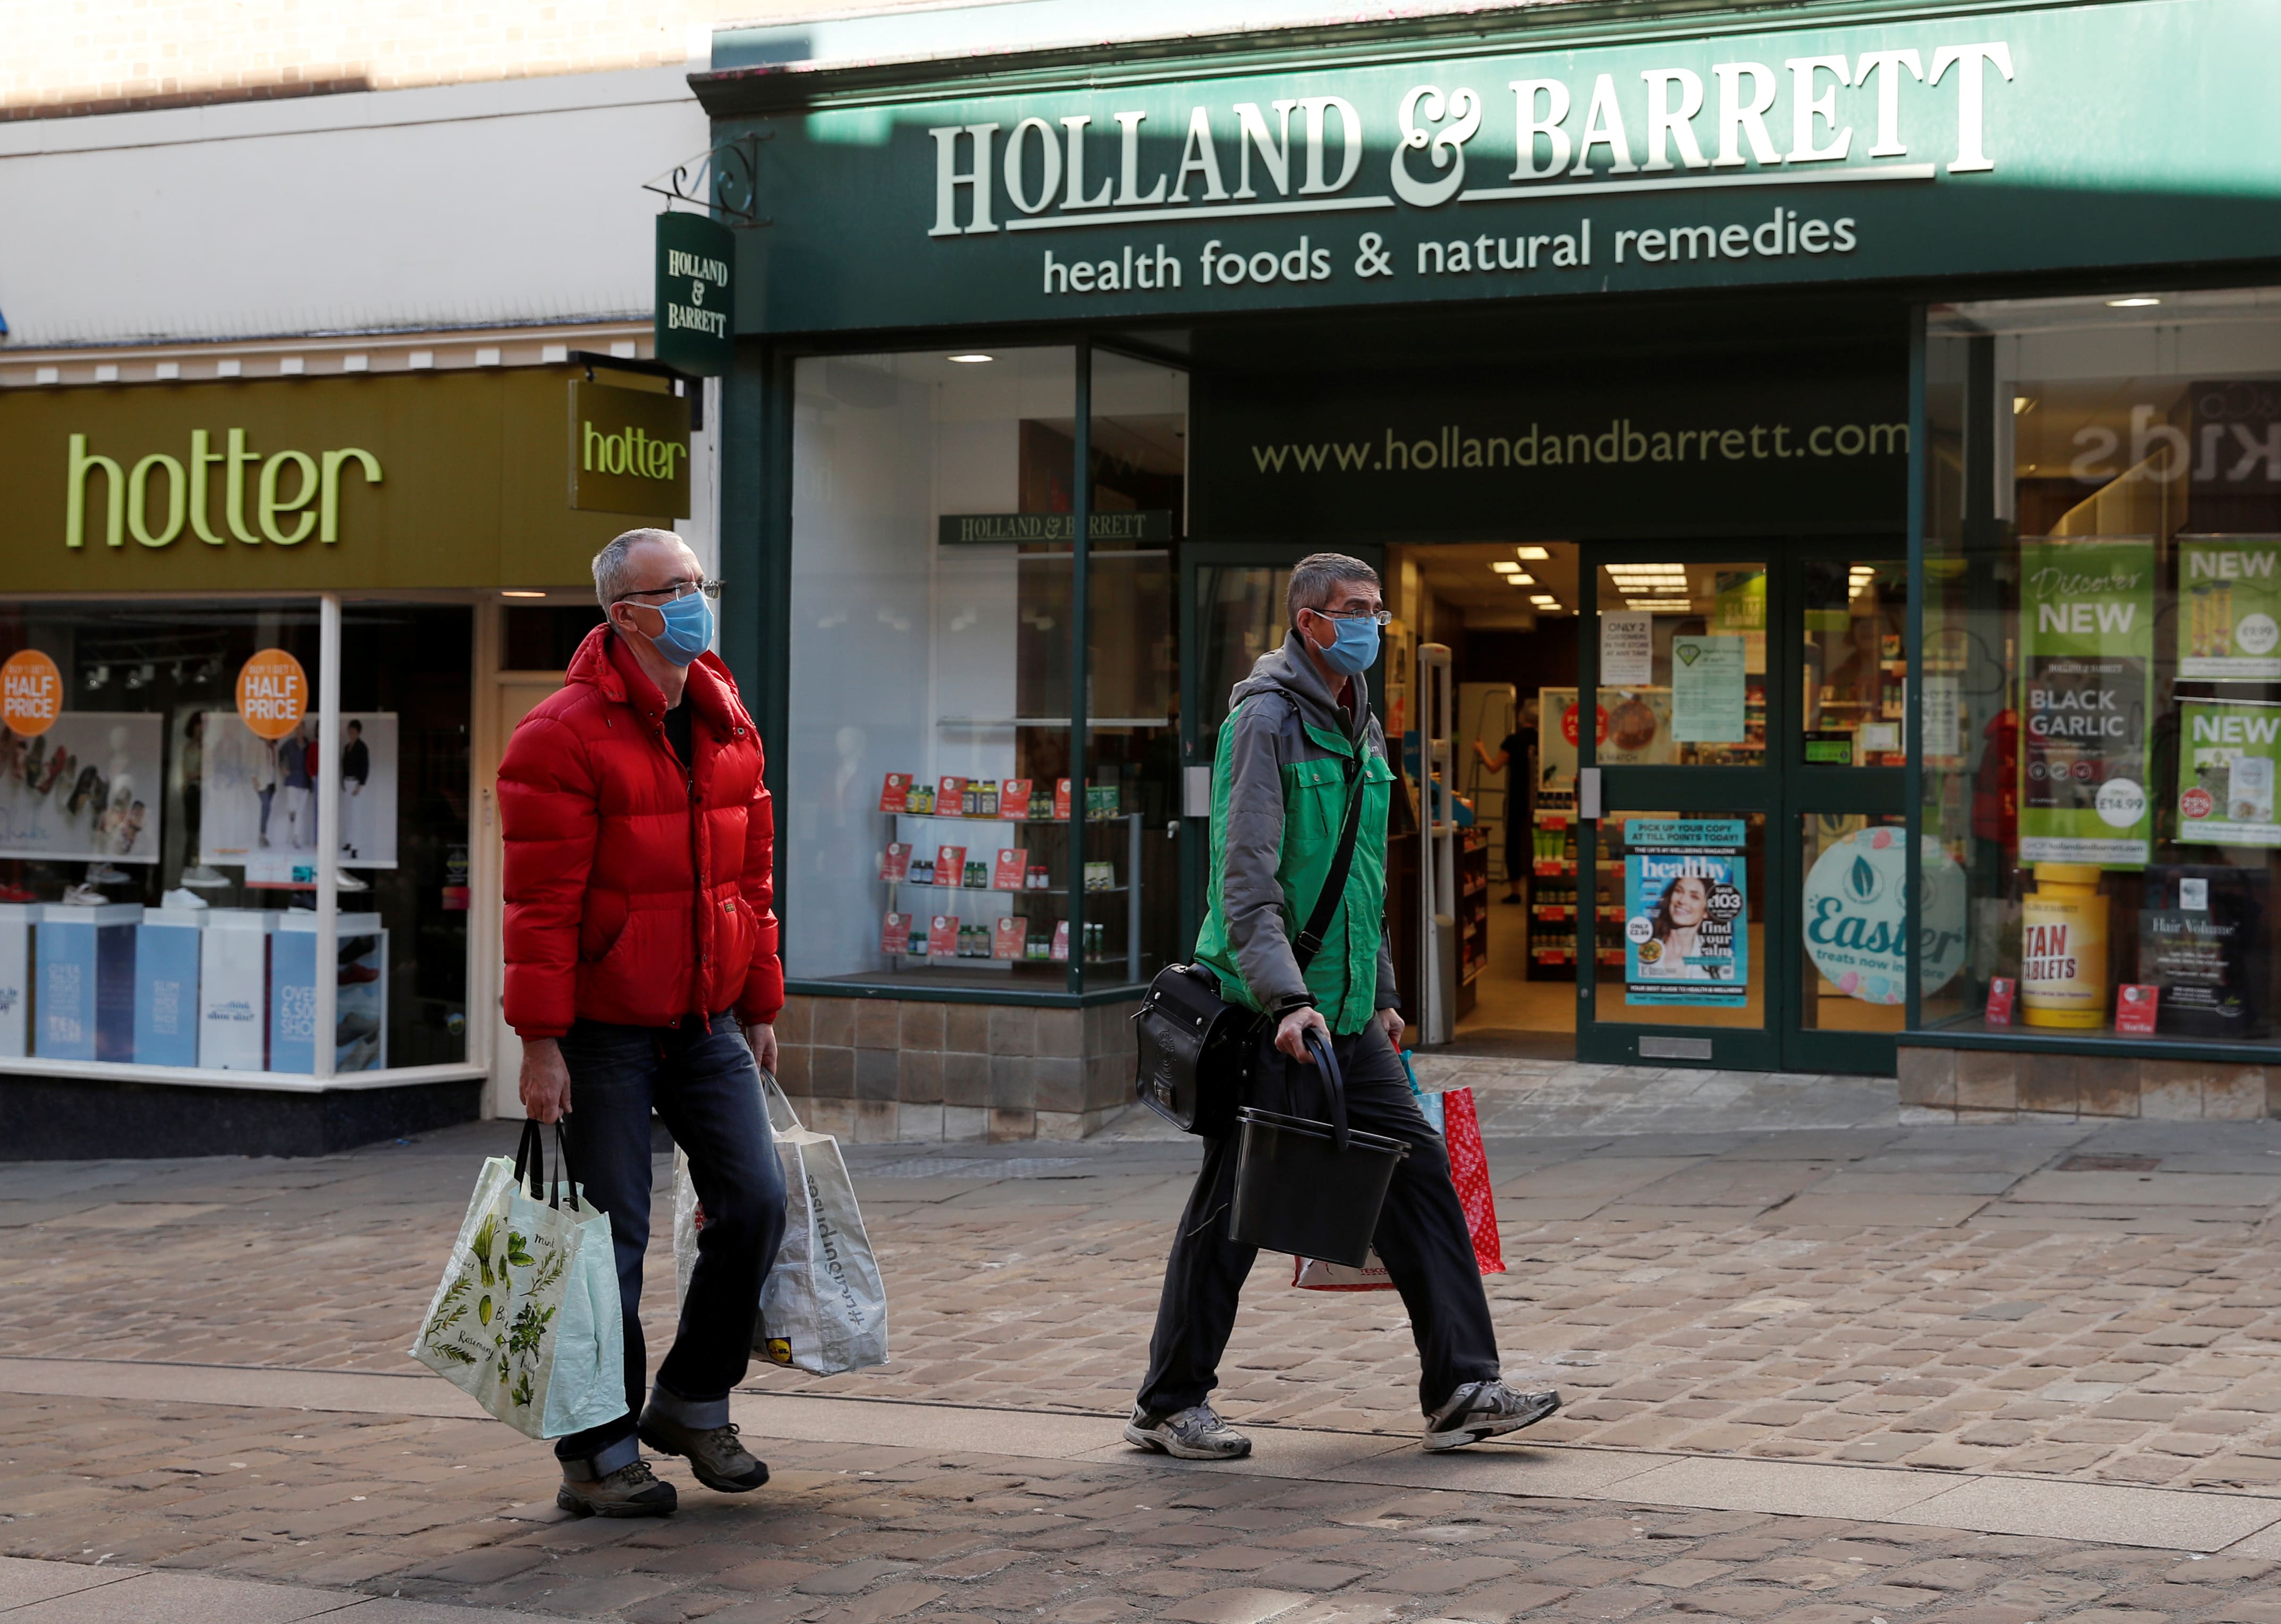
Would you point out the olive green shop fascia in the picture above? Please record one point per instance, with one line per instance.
(1887, 146)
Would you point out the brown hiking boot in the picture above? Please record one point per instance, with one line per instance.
(715, 1453)
(629, 1491)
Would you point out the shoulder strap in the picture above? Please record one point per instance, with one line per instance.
(1334, 883)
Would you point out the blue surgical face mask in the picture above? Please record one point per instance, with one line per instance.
(688, 628)
(1354, 649)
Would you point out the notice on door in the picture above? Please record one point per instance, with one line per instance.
(1707, 690)
(1626, 649)
(1686, 913)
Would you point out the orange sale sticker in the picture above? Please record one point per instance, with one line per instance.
(273, 694)
(31, 692)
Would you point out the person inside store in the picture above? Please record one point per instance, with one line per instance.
(1512, 759)
(642, 972)
(1276, 821)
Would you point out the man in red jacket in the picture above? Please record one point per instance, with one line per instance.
(640, 935)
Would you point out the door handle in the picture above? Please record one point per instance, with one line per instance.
(1588, 794)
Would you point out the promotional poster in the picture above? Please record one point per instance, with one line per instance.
(86, 790)
(2230, 607)
(1634, 729)
(258, 805)
(2086, 678)
(1856, 916)
(2227, 752)
(2204, 941)
(1686, 913)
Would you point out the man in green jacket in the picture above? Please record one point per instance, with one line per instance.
(1296, 729)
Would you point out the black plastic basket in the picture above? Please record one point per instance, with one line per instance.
(1311, 1188)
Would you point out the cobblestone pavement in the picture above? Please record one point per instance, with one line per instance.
(2066, 1302)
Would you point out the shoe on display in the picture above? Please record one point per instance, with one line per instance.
(83, 896)
(1194, 1433)
(629, 1491)
(1482, 1410)
(205, 878)
(18, 894)
(357, 975)
(349, 882)
(107, 874)
(714, 1453)
(180, 898)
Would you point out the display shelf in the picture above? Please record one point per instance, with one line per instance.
(926, 898)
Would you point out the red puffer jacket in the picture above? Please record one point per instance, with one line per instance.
(636, 893)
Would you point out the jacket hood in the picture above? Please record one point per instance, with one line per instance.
(1288, 670)
(604, 663)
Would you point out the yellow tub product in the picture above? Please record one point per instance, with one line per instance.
(2063, 948)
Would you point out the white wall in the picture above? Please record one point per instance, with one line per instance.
(461, 206)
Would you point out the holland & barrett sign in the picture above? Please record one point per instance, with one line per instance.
(696, 281)
(1880, 148)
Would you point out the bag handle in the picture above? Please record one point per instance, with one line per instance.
(530, 1157)
(569, 1180)
(1327, 1064)
(1334, 893)
(772, 1095)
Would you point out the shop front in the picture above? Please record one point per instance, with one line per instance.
(255, 658)
(1876, 436)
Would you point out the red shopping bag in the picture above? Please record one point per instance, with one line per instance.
(1469, 1171)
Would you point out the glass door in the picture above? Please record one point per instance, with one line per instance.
(1678, 791)
(1748, 867)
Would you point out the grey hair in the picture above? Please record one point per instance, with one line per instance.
(610, 565)
(1314, 577)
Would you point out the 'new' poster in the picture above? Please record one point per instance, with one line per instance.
(2230, 591)
(2086, 680)
(2227, 756)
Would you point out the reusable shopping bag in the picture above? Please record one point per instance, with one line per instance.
(823, 1308)
(1451, 1115)
(527, 1318)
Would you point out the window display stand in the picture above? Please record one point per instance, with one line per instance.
(919, 901)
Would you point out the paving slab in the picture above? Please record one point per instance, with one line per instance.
(1785, 1487)
(2110, 1514)
(22, 1583)
(156, 1597)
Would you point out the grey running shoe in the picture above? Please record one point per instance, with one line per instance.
(629, 1491)
(1194, 1434)
(1482, 1410)
(715, 1453)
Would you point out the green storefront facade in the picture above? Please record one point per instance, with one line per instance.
(1799, 352)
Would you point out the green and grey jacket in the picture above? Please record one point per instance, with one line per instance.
(1279, 799)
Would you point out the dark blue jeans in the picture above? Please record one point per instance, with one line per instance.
(706, 1089)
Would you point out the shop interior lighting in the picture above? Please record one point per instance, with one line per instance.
(2022, 405)
(972, 360)
(1522, 579)
(1533, 552)
(1544, 601)
(521, 594)
(1504, 567)
(2138, 301)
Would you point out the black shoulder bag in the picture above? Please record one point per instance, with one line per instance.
(1196, 1048)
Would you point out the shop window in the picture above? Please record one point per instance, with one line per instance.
(158, 836)
(544, 637)
(930, 808)
(2101, 674)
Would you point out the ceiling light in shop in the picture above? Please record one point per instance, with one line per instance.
(2137, 301)
(1533, 552)
(1523, 579)
(1544, 601)
(2022, 405)
(972, 360)
(516, 594)
(1505, 567)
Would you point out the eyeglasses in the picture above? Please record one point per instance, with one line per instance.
(1384, 617)
(679, 589)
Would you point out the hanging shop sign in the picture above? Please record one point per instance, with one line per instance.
(411, 480)
(1892, 148)
(2230, 591)
(2228, 753)
(1686, 913)
(2087, 673)
(629, 450)
(696, 282)
(1857, 918)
